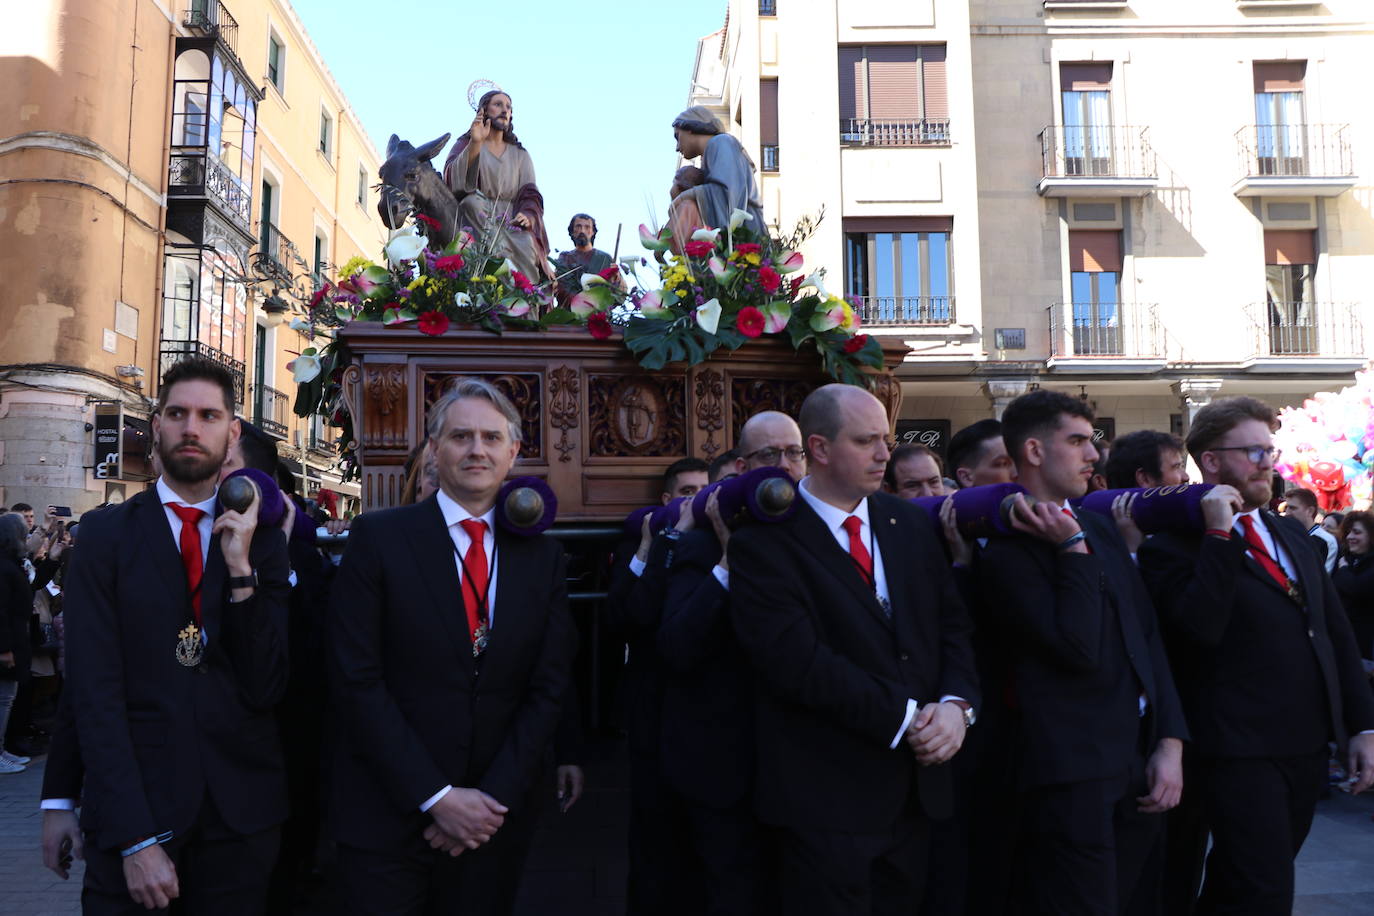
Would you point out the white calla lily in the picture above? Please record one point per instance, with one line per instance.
(817, 282)
(708, 316)
(462, 300)
(405, 245)
(706, 235)
(590, 280)
(505, 269)
(738, 218)
(300, 324)
(304, 368)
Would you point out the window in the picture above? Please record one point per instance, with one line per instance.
(1290, 263)
(266, 235)
(319, 263)
(893, 95)
(326, 134)
(1280, 117)
(362, 185)
(768, 124)
(1085, 93)
(768, 7)
(1095, 283)
(899, 269)
(276, 63)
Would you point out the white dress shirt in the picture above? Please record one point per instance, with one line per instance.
(1274, 549)
(453, 515)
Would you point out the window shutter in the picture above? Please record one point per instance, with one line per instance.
(1085, 77)
(1289, 246)
(1095, 251)
(893, 86)
(768, 112)
(1280, 76)
(934, 82)
(898, 224)
(851, 82)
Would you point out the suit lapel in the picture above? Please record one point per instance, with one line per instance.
(162, 553)
(212, 589)
(817, 540)
(515, 574)
(437, 565)
(887, 532)
(1305, 577)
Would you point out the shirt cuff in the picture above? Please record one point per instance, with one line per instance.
(57, 804)
(722, 576)
(1368, 731)
(434, 799)
(906, 720)
(949, 696)
(637, 566)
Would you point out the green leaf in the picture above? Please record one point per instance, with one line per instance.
(559, 316)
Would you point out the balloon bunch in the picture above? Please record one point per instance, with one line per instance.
(1327, 445)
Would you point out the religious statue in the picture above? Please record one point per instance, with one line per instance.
(584, 258)
(727, 177)
(492, 175)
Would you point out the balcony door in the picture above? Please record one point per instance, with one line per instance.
(1280, 118)
(1086, 104)
(1095, 287)
(900, 277)
(1290, 264)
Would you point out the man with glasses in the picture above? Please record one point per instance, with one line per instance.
(1266, 665)
(865, 678)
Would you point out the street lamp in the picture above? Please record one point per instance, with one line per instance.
(275, 308)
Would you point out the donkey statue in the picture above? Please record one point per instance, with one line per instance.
(410, 184)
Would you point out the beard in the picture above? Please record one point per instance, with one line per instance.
(191, 468)
(581, 240)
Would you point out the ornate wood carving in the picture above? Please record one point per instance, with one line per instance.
(637, 416)
(710, 408)
(563, 408)
(888, 389)
(384, 415)
(351, 387)
(524, 390)
(748, 396)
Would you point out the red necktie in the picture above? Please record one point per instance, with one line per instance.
(857, 551)
(191, 560)
(1261, 555)
(475, 574)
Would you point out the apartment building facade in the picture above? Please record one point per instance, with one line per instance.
(177, 178)
(1146, 204)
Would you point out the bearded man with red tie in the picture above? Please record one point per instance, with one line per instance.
(850, 616)
(1266, 664)
(176, 654)
(453, 648)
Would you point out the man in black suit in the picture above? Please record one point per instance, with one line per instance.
(852, 622)
(1266, 665)
(708, 716)
(453, 646)
(1100, 731)
(176, 654)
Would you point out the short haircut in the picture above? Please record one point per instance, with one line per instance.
(463, 388)
(14, 534)
(682, 466)
(723, 463)
(259, 450)
(1035, 415)
(902, 453)
(1139, 451)
(821, 414)
(1218, 418)
(1351, 519)
(1305, 498)
(966, 448)
(21, 507)
(198, 368)
(1338, 517)
(578, 216)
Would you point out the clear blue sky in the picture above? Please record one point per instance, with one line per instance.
(595, 87)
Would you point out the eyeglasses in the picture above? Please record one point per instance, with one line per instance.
(770, 454)
(1253, 453)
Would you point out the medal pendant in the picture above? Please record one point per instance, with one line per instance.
(479, 639)
(190, 650)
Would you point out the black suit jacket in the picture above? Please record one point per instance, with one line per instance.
(1260, 675)
(708, 714)
(418, 711)
(634, 607)
(63, 773)
(1085, 645)
(155, 736)
(835, 673)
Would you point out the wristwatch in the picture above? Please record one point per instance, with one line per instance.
(970, 715)
(248, 581)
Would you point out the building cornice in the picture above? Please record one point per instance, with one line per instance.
(79, 146)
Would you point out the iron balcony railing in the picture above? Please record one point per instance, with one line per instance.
(905, 311)
(1295, 151)
(881, 132)
(1097, 151)
(174, 351)
(1121, 330)
(195, 172)
(1307, 328)
(277, 256)
(271, 410)
(210, 17)
(319, 439)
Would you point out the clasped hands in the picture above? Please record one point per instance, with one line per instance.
(464, 819)
(935, 733)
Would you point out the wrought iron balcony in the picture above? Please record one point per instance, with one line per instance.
(174, 351)
(277, 258)
(1331, 330)
(195, 172)
(271, 411)
(1294, 160)
(1106, 331)
(881, 132)
(211, 18)
(320, 439)
(906, 311)
(1096, 161)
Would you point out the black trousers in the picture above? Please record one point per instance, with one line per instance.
(1089, 851)
(1185, 843)
(663, 873)
(1259, 811)
(220, 872)
(829, 873)
(738, 868)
